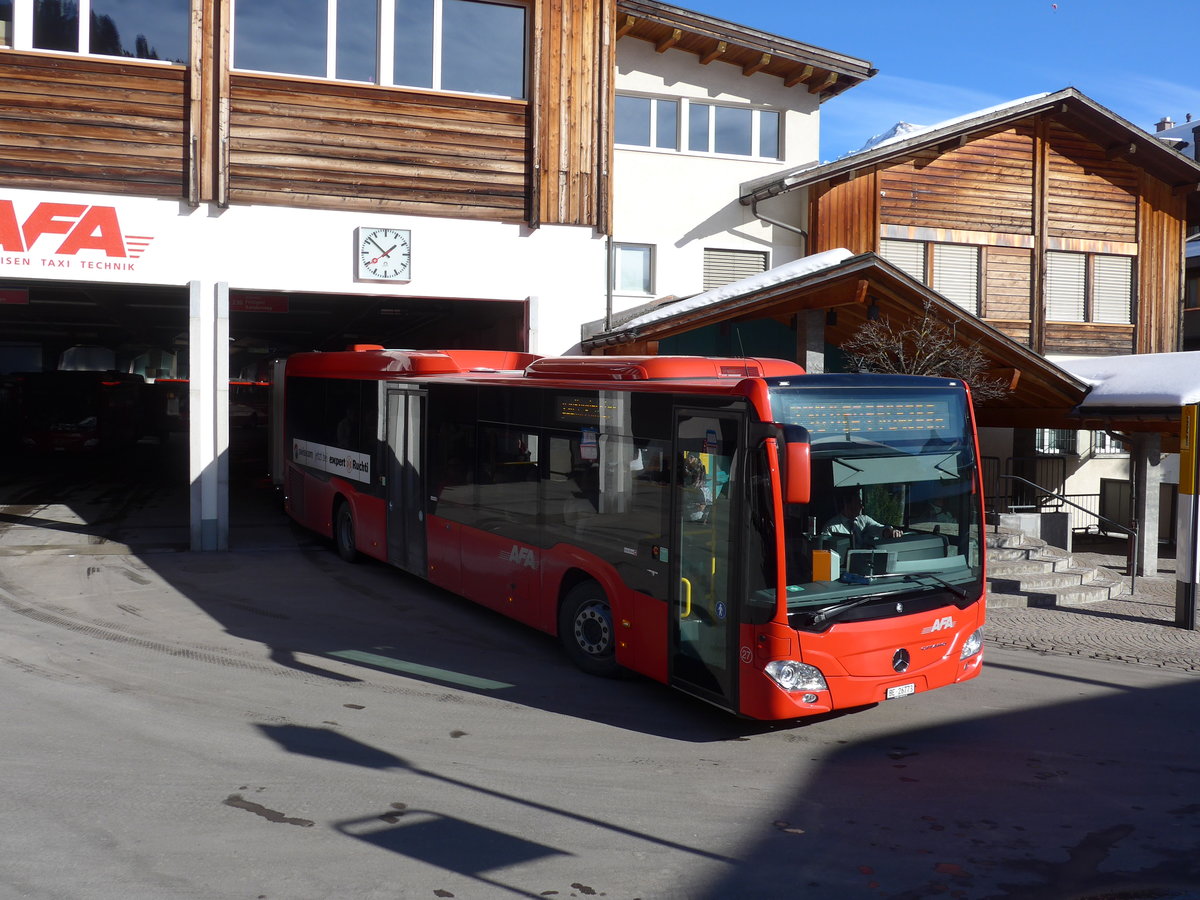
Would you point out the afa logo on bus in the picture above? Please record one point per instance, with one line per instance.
(83, 227)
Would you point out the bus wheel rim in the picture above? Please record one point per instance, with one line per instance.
(593, 629)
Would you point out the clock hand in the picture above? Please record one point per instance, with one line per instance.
(384, 254)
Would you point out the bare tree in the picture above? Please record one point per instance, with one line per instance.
(922, 346)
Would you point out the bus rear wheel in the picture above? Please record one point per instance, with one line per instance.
(343, 533)
(585, 628)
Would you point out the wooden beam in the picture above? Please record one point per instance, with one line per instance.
(626, 26)
(798, 76)
(668, 42)
(753, 67)
(1113, 151)
(821, 86)
(1009, 376)
(715, 53)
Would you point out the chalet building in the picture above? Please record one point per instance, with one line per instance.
(1051, 228)
(178, 177)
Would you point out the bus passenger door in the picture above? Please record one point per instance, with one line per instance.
(704, 617)
(405, 480)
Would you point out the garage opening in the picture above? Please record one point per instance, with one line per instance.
(94, 412)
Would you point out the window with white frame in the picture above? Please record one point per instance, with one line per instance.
(689, 125)
(466, 46)
(1056, 441)
(633, 268)
(127, 29)
(647, 122)
(1089, 287)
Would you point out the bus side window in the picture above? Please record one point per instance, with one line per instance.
(506, 476)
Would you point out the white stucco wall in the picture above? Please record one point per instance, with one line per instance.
(281, 249)
(682, 202)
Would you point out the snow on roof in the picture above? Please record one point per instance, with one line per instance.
(1146, 380)
(787, 272)
(912, 131)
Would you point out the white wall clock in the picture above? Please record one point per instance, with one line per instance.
(383, 254)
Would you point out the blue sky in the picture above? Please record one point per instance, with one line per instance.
(939, 59)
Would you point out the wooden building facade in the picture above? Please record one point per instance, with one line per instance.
(1051, 219)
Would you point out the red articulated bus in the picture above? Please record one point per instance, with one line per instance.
(699, 521)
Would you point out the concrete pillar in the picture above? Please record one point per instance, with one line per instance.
(1147, 486)
(810, 340)
(208, 414)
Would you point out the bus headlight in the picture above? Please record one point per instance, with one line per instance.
(972, 645)
(795, 676)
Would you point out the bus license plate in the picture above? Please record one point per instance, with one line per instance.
(903, 690)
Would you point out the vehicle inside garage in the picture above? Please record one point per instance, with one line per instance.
(94, 384)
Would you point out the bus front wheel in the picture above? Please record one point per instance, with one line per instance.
(585, 628)
(343, 533)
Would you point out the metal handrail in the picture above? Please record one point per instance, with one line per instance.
(1131, 550)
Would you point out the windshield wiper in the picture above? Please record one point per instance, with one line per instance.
(952, 588)
(832, 612)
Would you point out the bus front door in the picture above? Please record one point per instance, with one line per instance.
(704, 631)
(405, 481)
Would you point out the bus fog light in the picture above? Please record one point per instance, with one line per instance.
(972, 645)
(810, 698)
(796, 676)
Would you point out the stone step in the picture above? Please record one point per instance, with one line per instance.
(1026, 571)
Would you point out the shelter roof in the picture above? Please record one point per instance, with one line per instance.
(823, 72)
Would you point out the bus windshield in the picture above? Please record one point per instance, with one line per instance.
(893, 506)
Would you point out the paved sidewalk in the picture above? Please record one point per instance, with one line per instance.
(1136, 628)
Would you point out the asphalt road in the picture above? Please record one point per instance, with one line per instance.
(273, 723)
(276, 724)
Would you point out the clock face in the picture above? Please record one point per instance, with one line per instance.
(384, 254)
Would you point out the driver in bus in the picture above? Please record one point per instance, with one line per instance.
(851, 520)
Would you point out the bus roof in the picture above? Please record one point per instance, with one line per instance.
(373, 362)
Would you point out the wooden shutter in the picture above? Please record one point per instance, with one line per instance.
(724, 266)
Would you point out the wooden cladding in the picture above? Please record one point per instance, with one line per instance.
(985, 184)
(206, 133)
(323, 144)
(1088, 339)
(79, 124)
(1089, 195)
(575, 53)
(1007, 294)
(844, 213)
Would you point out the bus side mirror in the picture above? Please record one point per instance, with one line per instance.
(797, 478)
